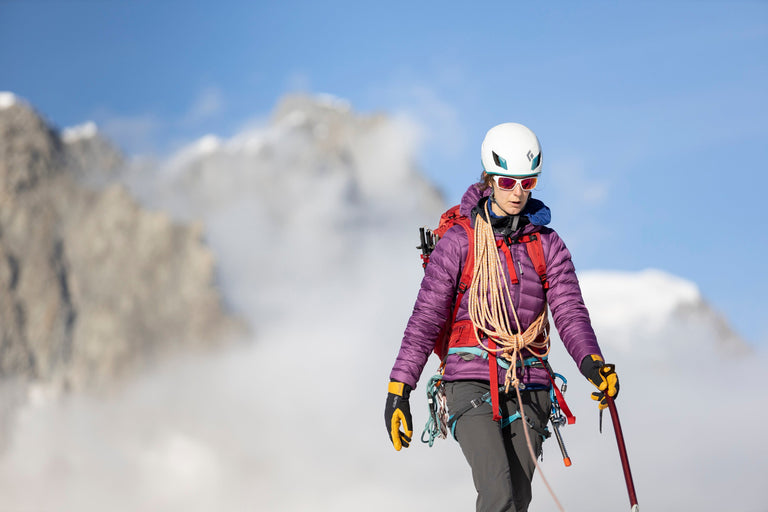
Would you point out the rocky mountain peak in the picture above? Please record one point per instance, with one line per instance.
(91, 157)
(92, 285)
(30, 150)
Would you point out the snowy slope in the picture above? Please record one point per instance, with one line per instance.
(7, 99)
(292, 419)
(650, 313)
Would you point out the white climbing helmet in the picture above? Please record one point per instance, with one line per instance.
(511, 149)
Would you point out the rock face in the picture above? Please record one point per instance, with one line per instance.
(91, 285)
(90, 157)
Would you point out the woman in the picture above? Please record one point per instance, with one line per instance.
(506, 310)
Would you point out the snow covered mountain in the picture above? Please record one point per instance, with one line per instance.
(313, 219)
(649, 313)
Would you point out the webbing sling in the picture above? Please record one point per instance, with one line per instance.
(493, 379)
(559, 395)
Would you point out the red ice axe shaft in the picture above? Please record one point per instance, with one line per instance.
(623, 453)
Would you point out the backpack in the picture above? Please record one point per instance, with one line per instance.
(461, 334)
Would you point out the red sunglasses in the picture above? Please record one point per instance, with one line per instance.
(508, 183)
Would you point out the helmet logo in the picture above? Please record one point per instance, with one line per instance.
(529, 155)
(499, 161)
(536, 161)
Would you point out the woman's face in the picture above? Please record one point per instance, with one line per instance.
(508, 202)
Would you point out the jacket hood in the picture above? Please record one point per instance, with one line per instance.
(536, 211)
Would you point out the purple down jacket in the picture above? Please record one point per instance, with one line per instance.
(438, 292)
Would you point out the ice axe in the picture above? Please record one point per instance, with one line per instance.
(623, 454)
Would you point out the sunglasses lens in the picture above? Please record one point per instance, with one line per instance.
(506, 183)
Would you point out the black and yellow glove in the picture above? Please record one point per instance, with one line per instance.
(397, 414)
(603, 376)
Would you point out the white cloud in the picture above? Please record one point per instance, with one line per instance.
(133, 134)
(441, 125)
(298, 81)
(208, 104)
(292, 421)
(571, 182)
(577, 196)
(440, 133)
(151, 134)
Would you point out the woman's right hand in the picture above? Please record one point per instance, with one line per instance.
(397, 414)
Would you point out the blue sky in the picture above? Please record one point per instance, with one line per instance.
(652, 114)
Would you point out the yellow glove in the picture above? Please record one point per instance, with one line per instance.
(397, 413)
(603, 376)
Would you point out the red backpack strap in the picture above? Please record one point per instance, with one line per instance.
(536, 253)
(441, 348)
(501, 244)
(558, 394)
(469, 266)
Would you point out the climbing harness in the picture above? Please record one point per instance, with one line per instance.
(441, 421)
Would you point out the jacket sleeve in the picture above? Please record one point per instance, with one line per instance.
(433, 306)
(567, 304)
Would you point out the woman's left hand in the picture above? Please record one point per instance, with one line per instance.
(603, 376)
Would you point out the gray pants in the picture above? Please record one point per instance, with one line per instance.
(501, 464)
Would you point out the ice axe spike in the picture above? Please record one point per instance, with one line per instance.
(623, 454)
(556, 422)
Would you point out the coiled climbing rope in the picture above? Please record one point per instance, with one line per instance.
(490, 302)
